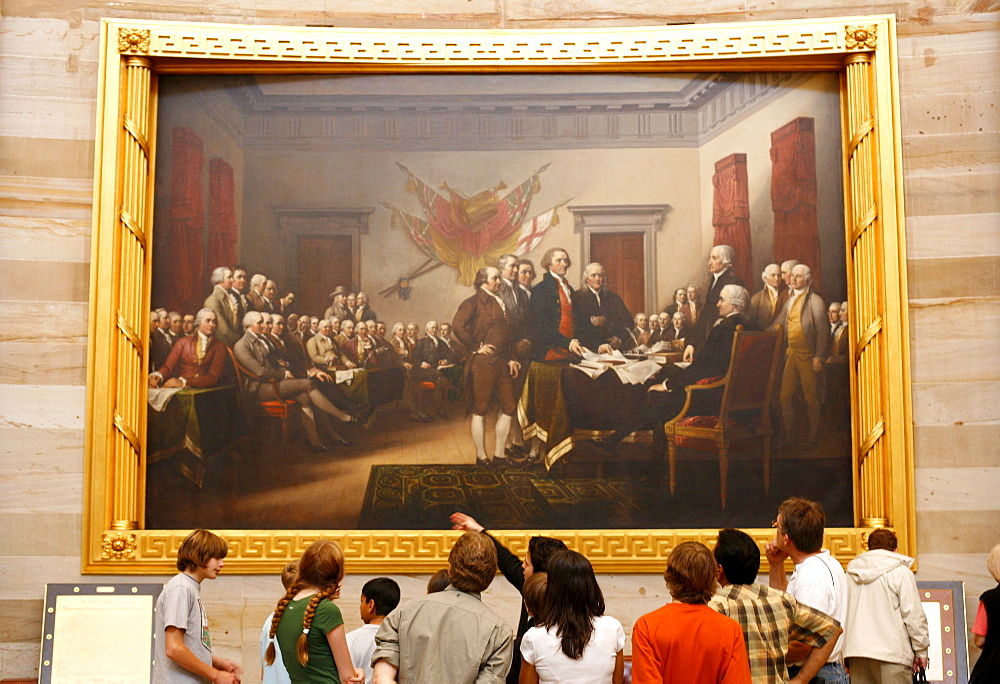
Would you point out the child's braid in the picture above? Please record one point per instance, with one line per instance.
(279, 610)
(302, 647)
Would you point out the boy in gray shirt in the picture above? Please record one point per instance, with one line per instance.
(183, 648)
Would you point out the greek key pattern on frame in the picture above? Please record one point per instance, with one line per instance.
(414, 551)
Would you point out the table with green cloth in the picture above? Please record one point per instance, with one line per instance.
(194, 426)
(561, 405)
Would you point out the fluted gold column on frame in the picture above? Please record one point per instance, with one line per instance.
(865, 256)
(132, 236)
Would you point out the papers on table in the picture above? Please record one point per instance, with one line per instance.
(159, 396)
(632, 372)
(347, 376)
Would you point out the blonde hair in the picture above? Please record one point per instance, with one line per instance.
(993, 562)
(322, 566)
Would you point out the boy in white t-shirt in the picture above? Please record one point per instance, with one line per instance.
(379, 597)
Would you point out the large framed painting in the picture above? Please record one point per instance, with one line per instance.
(347, 282)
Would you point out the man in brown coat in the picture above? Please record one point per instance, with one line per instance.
(481, 325)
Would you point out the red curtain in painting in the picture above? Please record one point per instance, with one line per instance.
(731, 211)
(793, 194)
(221, 215)
(184, 246)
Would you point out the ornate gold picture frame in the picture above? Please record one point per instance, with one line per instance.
(135, 53)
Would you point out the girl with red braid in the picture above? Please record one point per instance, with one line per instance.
(308, 625)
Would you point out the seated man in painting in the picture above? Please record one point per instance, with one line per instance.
(600, 318)
(657, 328)
(252, 353)
(194, 361)
(678, 330)
(427, 357)
(323, 349)
(289, 355)
(348, 328)
(451, 350)
(665, 392)
(360, 350)
(640, 333)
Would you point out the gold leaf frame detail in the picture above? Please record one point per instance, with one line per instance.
(114, 538)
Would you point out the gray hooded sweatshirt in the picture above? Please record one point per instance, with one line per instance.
(886, 621)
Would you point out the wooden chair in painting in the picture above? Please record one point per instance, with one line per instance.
(275, 408)
(731, 413)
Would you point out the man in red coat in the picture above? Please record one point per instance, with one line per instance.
(195, 361)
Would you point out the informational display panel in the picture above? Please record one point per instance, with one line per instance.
(98, 633)
(948, 656)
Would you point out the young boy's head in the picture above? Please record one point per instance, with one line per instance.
(534, 595)
(198, 549)
(379, 597)
(438, 581)
(289, 574)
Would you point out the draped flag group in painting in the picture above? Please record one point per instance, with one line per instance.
(470, 233)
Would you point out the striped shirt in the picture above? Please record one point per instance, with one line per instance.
(770, 619)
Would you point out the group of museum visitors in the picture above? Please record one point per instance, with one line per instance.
(820, 624)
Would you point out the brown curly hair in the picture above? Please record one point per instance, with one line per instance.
(321, 566)
(472, 563)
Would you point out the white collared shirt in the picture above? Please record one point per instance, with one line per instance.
(596, 294)
(563, 284)
(496, 297)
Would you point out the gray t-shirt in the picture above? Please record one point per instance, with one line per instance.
(179, 605)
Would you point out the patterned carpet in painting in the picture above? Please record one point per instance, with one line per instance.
(422, 497)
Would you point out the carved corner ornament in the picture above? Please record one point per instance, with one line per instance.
(119, 546)
(133, 40)
(862, 37)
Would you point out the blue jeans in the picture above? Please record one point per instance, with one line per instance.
(831, 673)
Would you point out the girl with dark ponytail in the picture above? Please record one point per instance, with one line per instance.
(576, 641)
(308, 625)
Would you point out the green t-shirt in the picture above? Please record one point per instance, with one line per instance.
(321, 668)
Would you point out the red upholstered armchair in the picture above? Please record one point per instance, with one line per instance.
(724, 414)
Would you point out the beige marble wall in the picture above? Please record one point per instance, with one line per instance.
(949, 72)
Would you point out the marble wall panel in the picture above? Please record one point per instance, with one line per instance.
(47, 281)
(56, 450)
(32, 240)
(952, 277)
(957, 193)
(955, 489)
(951, 339)
(55, 363)
(950, 236)
(951, 114)
(50, 407)
(40, 156)
(955, 446)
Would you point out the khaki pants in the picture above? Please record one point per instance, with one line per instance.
(797, 373)
(871, 671)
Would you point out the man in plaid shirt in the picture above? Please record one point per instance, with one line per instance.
(770, 618)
